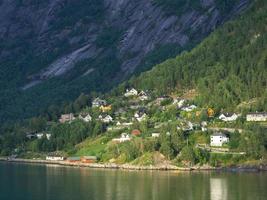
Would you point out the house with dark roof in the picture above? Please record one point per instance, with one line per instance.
(228, 117)
(257, 117)
(97, 102)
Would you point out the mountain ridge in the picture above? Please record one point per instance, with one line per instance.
(50, 46)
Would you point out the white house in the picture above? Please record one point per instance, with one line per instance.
(86, 118)
(179, 102)
(124, 124)
(257, 117)
(189, 108)
(203, 128)
(118, 123)
(218, 139)
(228, 117)
(189, 126)
(48, 136)
(106, 118)
(155, 135)
(143, 96)
(41, 135)
(67, 118)
(204, 125)
(131, 92)
(140, 116)
(97, 102)
(127, 124)
(124, 138)
(55, 158)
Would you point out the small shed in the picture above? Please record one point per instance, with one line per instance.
(74, 159)
(89, 159)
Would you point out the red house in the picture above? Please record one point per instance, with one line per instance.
(136, 132)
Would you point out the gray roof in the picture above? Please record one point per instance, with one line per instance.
(218, 134)
(228, 114)
(257, 113)
(74, 158)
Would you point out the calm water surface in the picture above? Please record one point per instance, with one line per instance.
(27, 182)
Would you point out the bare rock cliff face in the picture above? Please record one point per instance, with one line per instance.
(142, 23)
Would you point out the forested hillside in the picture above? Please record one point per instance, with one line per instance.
(228, 68)
(172, 112)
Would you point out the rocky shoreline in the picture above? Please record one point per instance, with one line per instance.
(135, 167)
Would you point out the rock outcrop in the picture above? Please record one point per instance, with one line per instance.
(144, 25)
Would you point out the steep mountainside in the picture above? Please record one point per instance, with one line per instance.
(227, 69)
(52, 50)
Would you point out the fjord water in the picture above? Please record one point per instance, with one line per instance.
(39, 182)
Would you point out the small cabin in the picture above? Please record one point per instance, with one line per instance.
(89, 159)
(74, 159)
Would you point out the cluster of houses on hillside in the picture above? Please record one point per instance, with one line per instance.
(104, 107)
(250, 117)
(141, 115)
(138, 102)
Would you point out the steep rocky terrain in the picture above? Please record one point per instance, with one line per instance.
(60, 46)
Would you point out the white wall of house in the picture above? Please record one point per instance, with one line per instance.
(218, 140)
(55, 158)
(124, 138)
(155, 135)
(257, 117)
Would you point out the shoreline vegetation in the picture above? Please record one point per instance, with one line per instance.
(162, 167)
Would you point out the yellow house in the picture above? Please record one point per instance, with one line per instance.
(106, 108)
(210, 112)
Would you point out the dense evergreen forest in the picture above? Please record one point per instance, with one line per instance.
(228, 68)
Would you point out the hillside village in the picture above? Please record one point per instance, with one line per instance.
(146, 124)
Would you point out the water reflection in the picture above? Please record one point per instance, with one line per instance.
(31, 182)
(218, 189)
